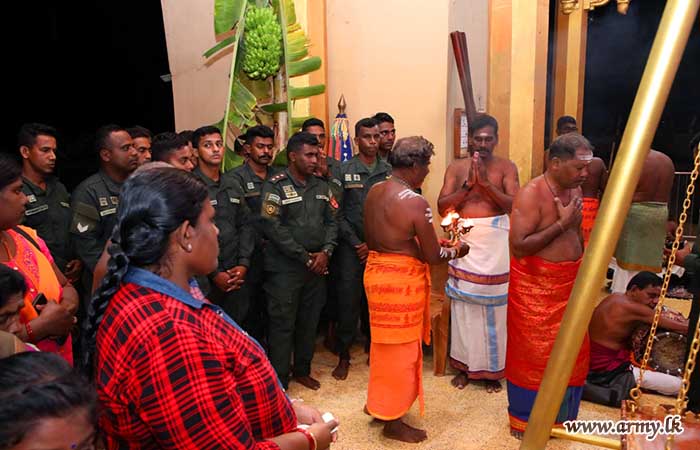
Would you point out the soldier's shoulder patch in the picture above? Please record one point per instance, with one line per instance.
(276, 178)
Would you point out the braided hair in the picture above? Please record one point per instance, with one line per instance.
(36, 386)
(153, 203)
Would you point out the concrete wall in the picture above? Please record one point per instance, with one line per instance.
(199, 87)
(395, 56)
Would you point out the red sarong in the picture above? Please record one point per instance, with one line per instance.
(537, 297)
(590, 211)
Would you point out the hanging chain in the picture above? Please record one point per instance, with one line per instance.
(636, 392)
(682, 399)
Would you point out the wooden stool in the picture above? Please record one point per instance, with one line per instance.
(440, 322)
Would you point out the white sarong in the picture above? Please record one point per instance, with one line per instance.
(477, 285)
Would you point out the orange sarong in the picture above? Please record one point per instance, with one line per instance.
(398, 295)
(590, 211)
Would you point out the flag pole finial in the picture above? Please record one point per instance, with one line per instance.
(341, 104)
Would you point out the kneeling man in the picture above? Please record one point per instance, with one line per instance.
(612, 325)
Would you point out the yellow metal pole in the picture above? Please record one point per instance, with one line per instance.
(598, 441)
(670, 41)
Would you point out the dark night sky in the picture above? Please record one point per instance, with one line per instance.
(80, 65)
(618, 47)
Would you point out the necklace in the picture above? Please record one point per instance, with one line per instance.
(401, 181)
(550, 186)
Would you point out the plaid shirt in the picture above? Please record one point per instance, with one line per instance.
(174, 372)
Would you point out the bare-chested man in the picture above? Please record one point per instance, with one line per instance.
(614, 321)
(641, 243)
(399, 232)
(546, 249)
(594, 185)
(480, 188)
(592, 189)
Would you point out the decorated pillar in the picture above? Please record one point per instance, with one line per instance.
(518, 80)
(569, 64)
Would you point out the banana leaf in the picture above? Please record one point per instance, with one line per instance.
(298, 68)
(226, 14)
(261, 89)
(242, 104)
(296, 55)
(220, 46)
(274, 107)
(296, 93)
(231, 160)
(238, 95)
(263, 101)
(290, 12)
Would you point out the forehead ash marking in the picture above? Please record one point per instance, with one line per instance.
(587, 156)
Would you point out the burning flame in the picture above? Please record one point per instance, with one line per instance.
(466, 223)
(449, 219)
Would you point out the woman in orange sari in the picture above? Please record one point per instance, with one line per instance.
(46, 324)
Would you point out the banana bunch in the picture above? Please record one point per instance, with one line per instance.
(263, 43)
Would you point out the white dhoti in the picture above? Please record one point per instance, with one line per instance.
(477, 286)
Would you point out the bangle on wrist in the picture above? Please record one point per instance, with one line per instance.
(313, 444)
(30, 333)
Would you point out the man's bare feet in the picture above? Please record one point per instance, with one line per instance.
(460, 380)
(396, 429)
(308, 382)
(492, 386)
(517, 434)
(341, 371)
(366, 411)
